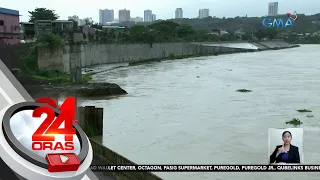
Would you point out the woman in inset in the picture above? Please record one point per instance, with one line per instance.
(285, 153)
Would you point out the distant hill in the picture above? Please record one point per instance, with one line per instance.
(304, 24)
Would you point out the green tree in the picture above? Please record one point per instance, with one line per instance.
(88, 21)
(50, 39)
(42, 14)
(260, 34)
(246, 36)
(184, 30)
(271, 33)
(138, 33)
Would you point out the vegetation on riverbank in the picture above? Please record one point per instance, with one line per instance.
(295, 122)
(244, 90)
(303, 110)
(31, 65)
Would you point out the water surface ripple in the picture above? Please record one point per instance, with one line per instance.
(188, 111)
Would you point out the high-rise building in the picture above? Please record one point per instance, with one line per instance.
(154, 17)
(273, 9)
(124, 15)
(179, 13)
(105, 16)
(147, 15)
(203, 13)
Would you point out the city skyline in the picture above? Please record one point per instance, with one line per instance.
(164, 9)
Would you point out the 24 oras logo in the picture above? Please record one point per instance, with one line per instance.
(269, 22)
(44, 138)
(38, 136)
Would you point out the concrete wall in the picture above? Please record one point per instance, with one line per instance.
(95, 54)
(54, 58)
(108, 156)
(275, 44)
(12, 55)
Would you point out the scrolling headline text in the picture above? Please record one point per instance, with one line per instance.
(206, 168)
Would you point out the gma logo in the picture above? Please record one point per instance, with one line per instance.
(271, 23)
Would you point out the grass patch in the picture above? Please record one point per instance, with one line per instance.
(86, 77)
(58, 77)
(304, 110)
(294, 121)
(244, 90)
(51, 76)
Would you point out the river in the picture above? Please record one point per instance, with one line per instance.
(188, 111)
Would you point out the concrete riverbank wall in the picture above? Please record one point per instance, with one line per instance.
(66, 58)
(259, 45)
(107, 156)
(71, 58)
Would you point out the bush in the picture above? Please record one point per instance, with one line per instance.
(244, 90)
(50, 39)
(30, 61)
(303, 110)
(295, 122)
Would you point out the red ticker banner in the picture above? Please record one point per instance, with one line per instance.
(206, 168)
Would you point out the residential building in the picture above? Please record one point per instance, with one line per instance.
(28, 31)
(124, 15)
(316, 33)
(273, 8)
(203, 13)
(154, 17)
(59, 27)
(106, 16)
(118, 29)
(147, 15)
(9, 26)
(80, 22)
(137, 19)
(219, 32)
(239, 32)
(179, 13)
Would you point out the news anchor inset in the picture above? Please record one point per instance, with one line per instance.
(286, 153)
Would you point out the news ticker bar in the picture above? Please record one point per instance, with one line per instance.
(207, 168)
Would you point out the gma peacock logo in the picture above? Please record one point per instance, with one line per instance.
(269, 22)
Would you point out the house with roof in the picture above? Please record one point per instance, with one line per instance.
(9, 26)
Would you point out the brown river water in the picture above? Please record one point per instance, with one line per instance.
(188, 111)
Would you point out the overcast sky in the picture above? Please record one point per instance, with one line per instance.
(164, 9)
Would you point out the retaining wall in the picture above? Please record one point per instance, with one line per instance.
(110, 157)
(64, 58)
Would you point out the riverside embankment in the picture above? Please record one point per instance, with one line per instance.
(66, 59)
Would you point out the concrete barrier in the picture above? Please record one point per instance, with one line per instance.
(107, 156)
(61, 59)
(90, 119)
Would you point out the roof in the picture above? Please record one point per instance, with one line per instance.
(26, 23)
(64, 21)
(119, 27)
(9, 11)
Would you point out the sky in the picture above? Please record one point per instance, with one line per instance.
(164, 9)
